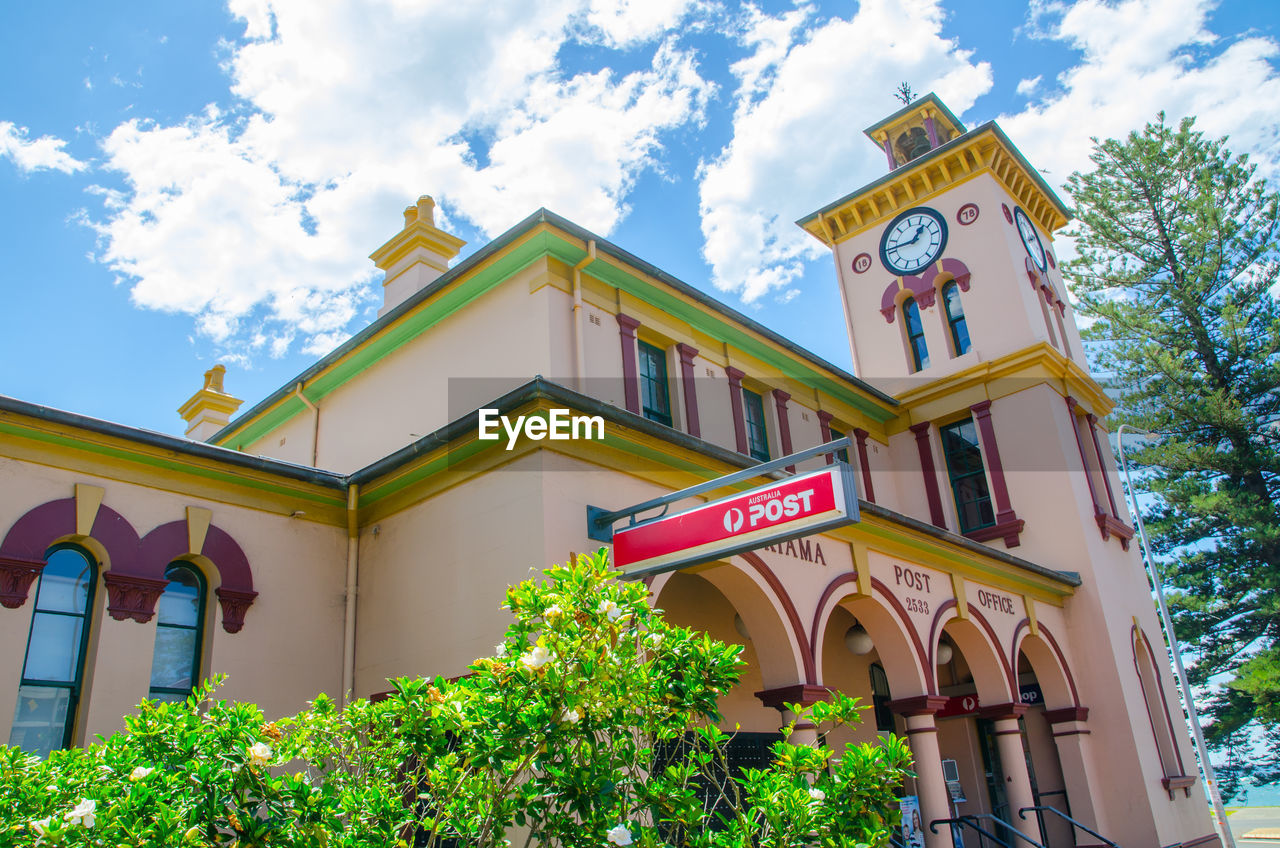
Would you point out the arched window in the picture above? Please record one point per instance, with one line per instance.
(49, 694)
(955, 318)
(1157, 706)
(175, 668)
(915, 334)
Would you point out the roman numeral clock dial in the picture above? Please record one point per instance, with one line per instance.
(913, 240)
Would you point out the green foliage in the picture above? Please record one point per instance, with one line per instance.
(1177, 264)
(594, 724)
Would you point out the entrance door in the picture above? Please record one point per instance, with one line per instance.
(991, 767)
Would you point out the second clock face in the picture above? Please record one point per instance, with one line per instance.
(1030, 238)
(914, 239)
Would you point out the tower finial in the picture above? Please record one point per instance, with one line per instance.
(904, 93)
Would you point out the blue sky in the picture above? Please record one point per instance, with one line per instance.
(202, 182)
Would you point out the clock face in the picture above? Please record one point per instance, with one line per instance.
(914, 239)
(1030, 238)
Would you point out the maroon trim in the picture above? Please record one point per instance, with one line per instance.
(788, 607)
(630, 373)
(921, 653)
(686, 354)
(996, 712)
(16, 576)
(935, 628)
(912, 731)
(1008, 525)
(804, 694)
(33, 533)
(930, 475)
(1211, 839)
(848, 577)
(735, 403)
(1058, 734)
(888, 152)
(932, 130)
(1066, 714)
(1110, 525)
(869, 491)
(824, 430)
(780, 399)
(233, 565)
(1134, 633)
(131, 596)
(1179, 781)
(1088, 475)
(1102, 465)
(234, 605)
(1009, 531)
(1062, 661)
(918, 705)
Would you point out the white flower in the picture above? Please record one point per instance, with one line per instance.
(139, 773)
(83, 813)
(500, 649)
(259, 754)
(536, 658)
(619, 835)
(655, 639)
(817, 794)
(570, 715)
(552, 611)
(612, 610)
(41, 826)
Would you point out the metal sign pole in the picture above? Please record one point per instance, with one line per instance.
(1193, 717)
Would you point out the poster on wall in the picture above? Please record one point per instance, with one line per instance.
(912, 824)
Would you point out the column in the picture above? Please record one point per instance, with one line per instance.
(922, 736)
(1008, 525)
(1070, 735)
(824, 430)
(735, 402)
(686, 354)
(780, 399)
(630, 373)
(1088, 475)
(1013, 762)
(801, 694)
(936, 515)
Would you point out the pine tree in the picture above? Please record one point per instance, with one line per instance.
(1177, 269)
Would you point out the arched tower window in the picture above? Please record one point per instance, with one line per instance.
(175, 668)
(52, 674)
(955, 318)
(915, 334)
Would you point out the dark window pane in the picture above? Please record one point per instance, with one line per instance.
(757, 438)
(655, 399)
(64, 582)
(842, 455)
(174, 657)
(955, 318)
(915, 335)
(963, 453)
(54, 650)
(40, 721)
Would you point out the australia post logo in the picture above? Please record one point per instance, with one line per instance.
(768, 508)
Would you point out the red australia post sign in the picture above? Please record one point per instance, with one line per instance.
(786, 509)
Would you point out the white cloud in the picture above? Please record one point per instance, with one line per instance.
(45, 153)
(1027, 87)
(808, 90)
(1139, 57)
(257, 221)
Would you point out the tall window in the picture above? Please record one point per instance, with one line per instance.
(955, 318)
(175, 668)
(753, 412)
(655, 399)
(842, 455)
(915, 334)
(968, 477)
(53, 671)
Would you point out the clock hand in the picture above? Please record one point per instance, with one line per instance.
(916, 237)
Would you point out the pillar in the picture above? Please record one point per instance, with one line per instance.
(922, 736)
(630, 371)
(1070, 735)
(735, 403)
(1013, 762)
(803, 695)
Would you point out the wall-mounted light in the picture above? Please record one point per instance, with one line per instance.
(945, 653)
(858, 640)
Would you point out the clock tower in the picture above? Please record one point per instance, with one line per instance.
(956, 306)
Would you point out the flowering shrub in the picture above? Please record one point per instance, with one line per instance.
(594, 724)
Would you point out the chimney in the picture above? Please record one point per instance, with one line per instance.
(210, 409)
(416, 256)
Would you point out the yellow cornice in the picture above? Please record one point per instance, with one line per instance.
(923, 179)
(1039, 364)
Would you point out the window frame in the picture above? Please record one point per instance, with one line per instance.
(648, 355)
(75, 687)
(919, 354)
(757, 446)
(841, 455)
(197, 654)
(955, 477)
(954, 320)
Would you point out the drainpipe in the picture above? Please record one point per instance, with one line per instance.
(349, 605)
(315, 422)
(1188, 701)
(579, 355)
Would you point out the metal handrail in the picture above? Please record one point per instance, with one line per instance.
(1040, 810)
(972, 819)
